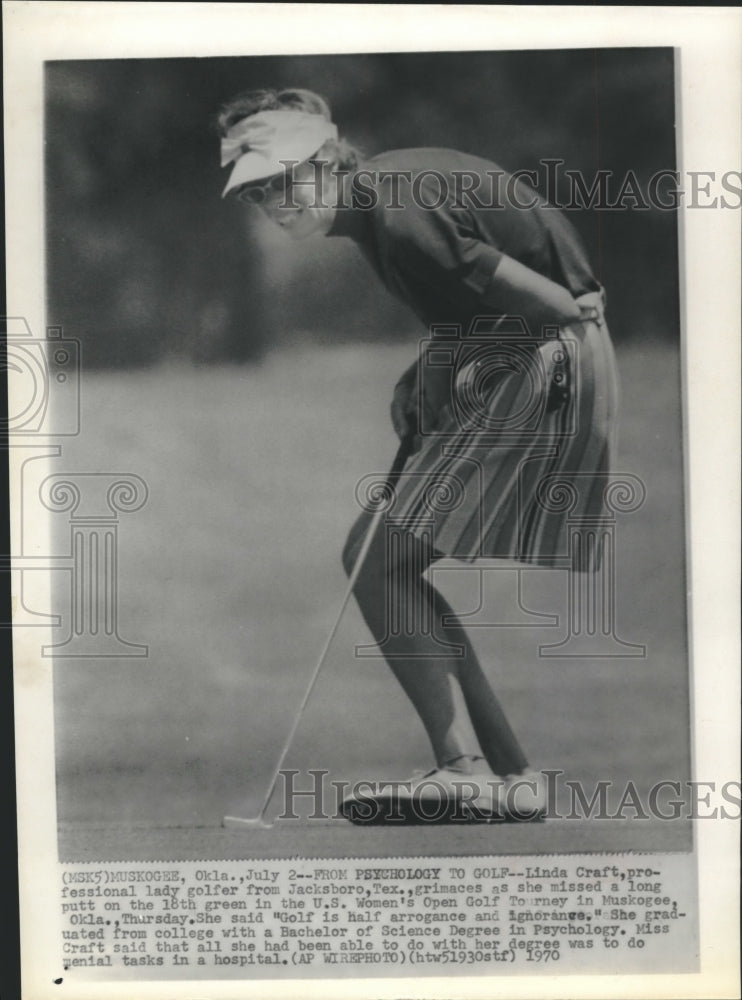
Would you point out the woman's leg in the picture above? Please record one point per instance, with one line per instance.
(496, 738)
(450, 693)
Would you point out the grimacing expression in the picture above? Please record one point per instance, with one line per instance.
(306, 206)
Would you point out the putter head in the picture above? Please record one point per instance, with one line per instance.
(241, 823)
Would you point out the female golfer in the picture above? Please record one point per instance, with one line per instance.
(513, 395)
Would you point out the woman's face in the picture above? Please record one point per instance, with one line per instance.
(308, 207)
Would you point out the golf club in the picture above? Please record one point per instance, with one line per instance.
(403, 453)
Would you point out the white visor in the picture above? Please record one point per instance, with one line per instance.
(257, 145)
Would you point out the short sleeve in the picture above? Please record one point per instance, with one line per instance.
(439, 245)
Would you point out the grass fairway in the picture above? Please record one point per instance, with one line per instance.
(231, 575)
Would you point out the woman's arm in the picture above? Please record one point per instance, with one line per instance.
(518, 291)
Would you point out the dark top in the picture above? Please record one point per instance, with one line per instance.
(441, 259)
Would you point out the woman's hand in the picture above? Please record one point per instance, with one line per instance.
(413, 409)
(416, 410)
(404, 409)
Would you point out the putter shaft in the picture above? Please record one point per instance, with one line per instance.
(403, 453)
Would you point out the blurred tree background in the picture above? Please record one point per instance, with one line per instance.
(146, 263)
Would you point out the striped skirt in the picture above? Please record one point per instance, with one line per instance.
(522, 452)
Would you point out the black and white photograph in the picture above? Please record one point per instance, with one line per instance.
(263, 359)
(352, 444)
